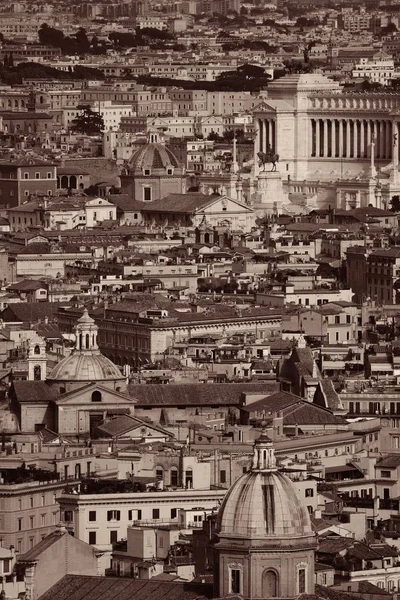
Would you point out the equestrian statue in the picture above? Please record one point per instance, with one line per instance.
(268, 157)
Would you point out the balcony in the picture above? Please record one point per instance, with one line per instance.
(388, 504)
(358, 502)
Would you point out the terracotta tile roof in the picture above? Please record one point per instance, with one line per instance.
(197, 394)
(33, 391)
(392, 461)
(30, 312)
(124, 424)
(180, 203)
(80, 587)
(35, 552)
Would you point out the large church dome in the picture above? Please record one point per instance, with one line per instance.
(263, 503)
(153, 156)
(86, 363)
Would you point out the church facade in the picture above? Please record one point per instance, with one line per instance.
(82, 391)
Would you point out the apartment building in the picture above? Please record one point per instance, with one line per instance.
(102, 519)
(382, 275)
(28, 509)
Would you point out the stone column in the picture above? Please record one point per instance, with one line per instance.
(257, 145)
(348, 138)
(389, 139)
(313, 149)
(382, 138)
(266, 135)
(341, 138)
(362, 138)
(395, 146)
(369, 134)
(333, 138)
(325, 138)
(273, 135)
(355, 138)
(265, 139)
(317, 137)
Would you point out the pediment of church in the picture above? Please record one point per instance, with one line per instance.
(224, 204)
(94, 395)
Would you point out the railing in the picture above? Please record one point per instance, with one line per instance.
(388, 504)
(358, 502)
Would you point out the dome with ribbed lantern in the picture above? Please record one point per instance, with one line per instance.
(263, 503)
(266, 546)
(86, 363)
(153, 156)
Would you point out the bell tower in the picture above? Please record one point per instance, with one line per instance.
(37, 359)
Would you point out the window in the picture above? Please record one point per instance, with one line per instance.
(159, 473)
(20, 524)
(31, 522)
(113, 537)
(386, 474)
(147, 172)
(26, 175)
(113, 515)
(68, 516)
(49, 175)
(309, 492)
(222, 476)
(92, 515)
(37, 175)
(174, 513)
(301, 581)
(235, 581)
(156, 513)
(96, 396)
(174, 477)
(147, 194)
(43, 500)
(92, 537)
(43, 520)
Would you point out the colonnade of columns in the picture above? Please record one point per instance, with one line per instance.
(352, 138)
(266, 134)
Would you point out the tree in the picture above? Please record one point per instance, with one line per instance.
(82, 41)
(88, 122)
(49, 36)
(395, 204)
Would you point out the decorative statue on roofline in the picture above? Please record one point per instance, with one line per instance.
(268, 157)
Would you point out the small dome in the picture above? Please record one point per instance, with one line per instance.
(85, 366)
(263, 503)
(152, 156)
(86, 363)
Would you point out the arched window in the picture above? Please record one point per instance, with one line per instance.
(37, 373)
(87, 341)
(36, 349)
(96, 396)
(269, 584)
(159, 473)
